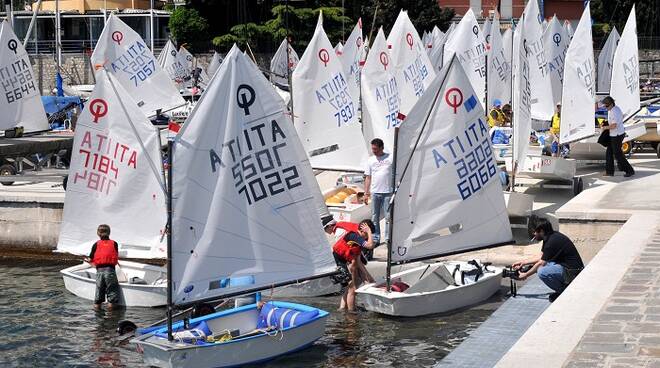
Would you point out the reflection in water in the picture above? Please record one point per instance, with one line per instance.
(44, 325)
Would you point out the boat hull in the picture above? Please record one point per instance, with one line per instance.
(308, 289)
(81, 281)
(374, 298)
(161, 353)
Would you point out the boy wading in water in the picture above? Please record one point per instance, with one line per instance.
(105, 256)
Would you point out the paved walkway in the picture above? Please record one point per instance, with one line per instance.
(488, 343)
(626, 332)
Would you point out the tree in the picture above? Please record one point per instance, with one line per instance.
(188, 27)
(301, 25)
(424, 14)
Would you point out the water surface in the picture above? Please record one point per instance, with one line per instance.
(43, 325)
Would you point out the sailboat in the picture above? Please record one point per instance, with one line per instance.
(447, 200)
(555, 44)
(625, 72)
(606, 61)
(20, 103)
(350, 60)
(168, 60)
(243, 219)
(115, 175)
(124, 54)
(468, 44)
(498, 77)
(282, 64)
(214, 64)
(326, 114)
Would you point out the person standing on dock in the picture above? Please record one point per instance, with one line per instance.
(617, 133)
(559, 262)
(378, 186)
(105, 256)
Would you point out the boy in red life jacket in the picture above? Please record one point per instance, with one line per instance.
(105, 256)
(352, 238)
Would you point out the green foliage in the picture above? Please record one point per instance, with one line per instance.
(301, 21)
(615, 13)
(424, 14)
(187, 26)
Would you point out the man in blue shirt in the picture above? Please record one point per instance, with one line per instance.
(617, 133)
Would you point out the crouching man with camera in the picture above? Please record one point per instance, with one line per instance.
(559, 262)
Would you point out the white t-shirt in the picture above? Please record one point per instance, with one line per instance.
(380, 170)
(615, 115)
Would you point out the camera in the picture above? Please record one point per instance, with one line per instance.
(515, 274)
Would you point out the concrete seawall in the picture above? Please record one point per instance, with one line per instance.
(30, 217)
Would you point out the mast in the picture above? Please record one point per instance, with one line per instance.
(390, 216)
(170, 159)
(288, 55)
(151, 24)
(513, 112)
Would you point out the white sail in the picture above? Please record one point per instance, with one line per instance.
(578, 98)
(283, 63)
(522, 98)
(20, 102)
(555, 43)
(215, 63)
(569, 29)
(380, 94)
(532, 36)
(123, 53)
(325, 112)
(339, 48)
(190, 64)
(507, 46)
(115, 177)
(426, 40)
(437, 50)
(486, 30)
(243, 216)
(409, 62)
(499, 68)
(625, 73)
(450, 198)
(169, 61)
(469, 45)
(350, 59)
(606, 60)
(186, 59)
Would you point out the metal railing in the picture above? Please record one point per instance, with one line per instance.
(76, 46)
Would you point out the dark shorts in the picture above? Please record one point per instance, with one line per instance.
(106, 286)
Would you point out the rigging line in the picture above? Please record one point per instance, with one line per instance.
(139, 139)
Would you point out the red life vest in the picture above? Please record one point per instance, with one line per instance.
(105, 253)
(341, 247)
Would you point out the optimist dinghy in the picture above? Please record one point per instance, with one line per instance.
(245, 218)
(447, 200)
(116, 173)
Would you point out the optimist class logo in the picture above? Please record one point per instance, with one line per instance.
(324, 56)
(384, 59)
(409, 40)
(99, 108)
(117, 37)
(454, 98)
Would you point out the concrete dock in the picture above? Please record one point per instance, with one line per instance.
(610, 314)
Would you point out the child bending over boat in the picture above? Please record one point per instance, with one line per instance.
(352, 238)
(105, 256)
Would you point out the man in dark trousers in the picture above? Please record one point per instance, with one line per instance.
(617, 133)
(105, 256)
(559, 262)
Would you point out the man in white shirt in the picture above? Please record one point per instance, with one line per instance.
(617, 133)
(378, 186)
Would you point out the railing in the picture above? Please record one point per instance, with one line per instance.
(77, 46)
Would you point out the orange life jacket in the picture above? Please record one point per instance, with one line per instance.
(341, 247)
(105, 253)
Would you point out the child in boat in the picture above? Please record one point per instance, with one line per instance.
(105, 256)
(351, 240)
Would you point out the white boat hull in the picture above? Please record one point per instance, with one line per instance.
(441, 300)
(159, 352)
(81, 281)
(546, 168)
